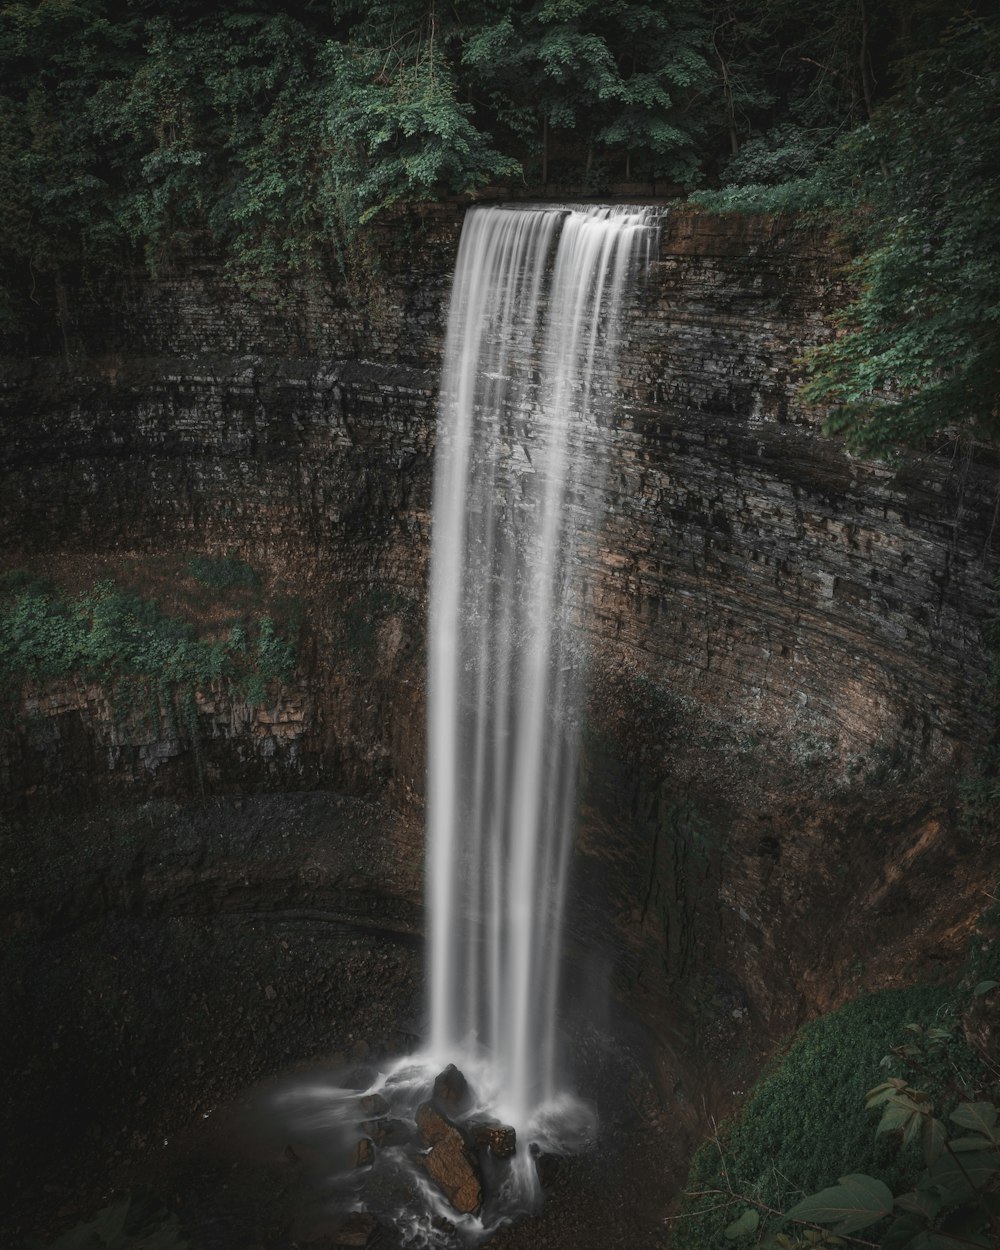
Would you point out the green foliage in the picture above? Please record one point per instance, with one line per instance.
(279, 133)
(819, 1170)
(223, 572)
(852, 1204)
(361, 620)
(913, 189)
(399, 131)
(132, 648)
(805, 1124)
(956, 1198)
(619, 75)
(743, 1226)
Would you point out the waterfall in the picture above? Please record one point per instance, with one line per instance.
(533, 329)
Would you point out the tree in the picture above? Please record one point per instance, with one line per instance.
(617, 77)
(913, 191)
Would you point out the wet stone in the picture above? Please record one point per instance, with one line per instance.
(387, 1131)
(374, 1105)
(359, 1078)
(547, 1166)
(364, 1153)
(451, 1090)
(358, 1229)
(449, 1162)
(499, 1139)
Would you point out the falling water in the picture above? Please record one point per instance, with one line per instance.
(533, 328)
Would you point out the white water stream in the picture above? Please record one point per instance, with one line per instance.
(529, 377)
(527, 381)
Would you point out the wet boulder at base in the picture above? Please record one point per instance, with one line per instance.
(449, 1162)
(374, 1105)
(357, 1229)
(387, 1131)
(499, 1139)
(451, 1090)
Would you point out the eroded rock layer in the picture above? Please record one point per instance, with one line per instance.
(788, 668)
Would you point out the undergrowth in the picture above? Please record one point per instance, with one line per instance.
(223, 572)
(808, 1124)
(149, 663)
(805, 1124)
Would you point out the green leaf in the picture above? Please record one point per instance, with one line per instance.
(984, 987)
(895, 1116)
(912, 1129)
(904, 1231)
(747, 1223)
(932, 1139)
(959, 1175)
(981, 1117)
(923, 1202)
(854, 1203)
(963, 1144)
(885, 1091)
(941, 1241)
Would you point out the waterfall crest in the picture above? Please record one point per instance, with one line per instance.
(533, 330)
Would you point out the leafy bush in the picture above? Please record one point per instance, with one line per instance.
(127, 643)
(912, 189)
(805, 1124)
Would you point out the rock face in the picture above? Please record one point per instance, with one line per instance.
(787, 667)
(748, 567)
(449, 1162)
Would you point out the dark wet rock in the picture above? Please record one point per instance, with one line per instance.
(449, 1162)
(499, 1139)
(364, 1153)
(374, 1105)
(451, 1090)
(547, 1166)
(358, 1229)
(359, 1078)
(387, 1131)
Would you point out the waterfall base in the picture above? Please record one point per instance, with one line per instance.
(416, 1150)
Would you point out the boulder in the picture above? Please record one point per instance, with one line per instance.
(449, 1162)
(499, 1139)
(359, 1078)
(451, 1090)
(357, 1229)
(387, 1131)
(364, 1153)
(374, 1105)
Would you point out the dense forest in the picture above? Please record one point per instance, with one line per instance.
(279, 131)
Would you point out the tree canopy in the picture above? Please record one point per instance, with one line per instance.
(276, 130)
(914, 188)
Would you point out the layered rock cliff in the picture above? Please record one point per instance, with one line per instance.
(788, 669)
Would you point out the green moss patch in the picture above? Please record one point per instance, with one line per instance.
(805, 1123)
